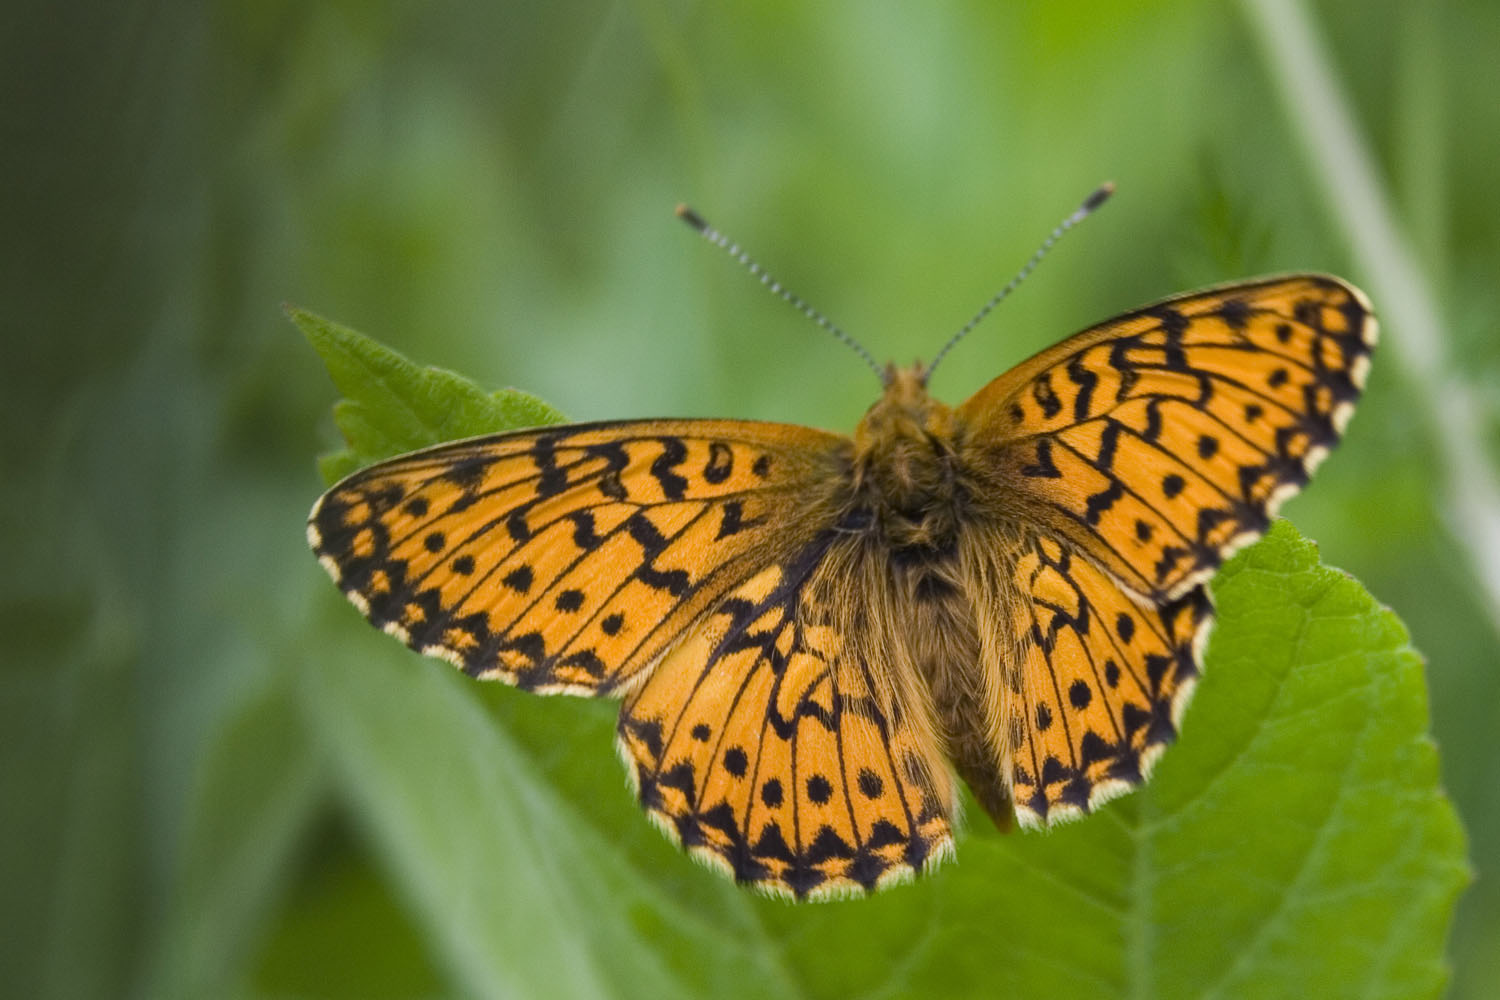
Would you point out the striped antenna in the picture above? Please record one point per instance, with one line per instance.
(723, 242)
(1100, 196)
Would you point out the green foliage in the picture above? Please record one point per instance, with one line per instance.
(390, 406)
(182, 693)
(1296, 835)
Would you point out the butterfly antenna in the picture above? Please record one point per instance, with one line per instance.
(724, 243)
(1100, 196)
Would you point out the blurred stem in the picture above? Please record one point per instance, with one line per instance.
(1301, 68)
(1419, 130)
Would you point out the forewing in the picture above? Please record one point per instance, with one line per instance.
(567, 558)
(1103, 682)
(1162, 440)
(764, 749)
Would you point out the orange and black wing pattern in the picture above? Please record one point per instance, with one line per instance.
(565, 559)
(1103, 682)
(1162, 440)
(713, 573)
(1137, 456)
(768, 749)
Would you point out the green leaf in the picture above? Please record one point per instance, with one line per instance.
(520, 892)
(1296, 839)
(391, 405)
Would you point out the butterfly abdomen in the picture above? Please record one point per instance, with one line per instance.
(942, 631)
(914, 488)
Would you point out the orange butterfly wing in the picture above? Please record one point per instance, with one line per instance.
(565, 559)
(1138, 455)
(681, 563)
(1162, 440)
(1104, 682)
(766, 748)
(670, 561)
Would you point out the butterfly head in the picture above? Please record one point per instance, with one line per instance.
(904, 408)
(904, 459)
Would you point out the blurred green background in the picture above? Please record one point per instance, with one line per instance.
(489, 187)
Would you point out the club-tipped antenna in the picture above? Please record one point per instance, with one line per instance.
(734, 250)
(1098, 197)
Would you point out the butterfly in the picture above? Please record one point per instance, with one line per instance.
(812, 633)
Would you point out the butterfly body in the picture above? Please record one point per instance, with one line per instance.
(932, 524)
(812, 633)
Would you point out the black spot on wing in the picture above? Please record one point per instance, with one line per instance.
(1109, 440)
(585, 535)
(1152, 431)
(519, 579)
(733, 520)
(1045, 396)
(1102, 501)
(663, 468)
(1174, 324)
(653, 544)
(1085, 380)
(1043, 467)
(648, 731)
(551, 480)
(736, 762)
(1235, 313)
(616, 459)
(720, 463)
(468, 473)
